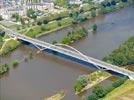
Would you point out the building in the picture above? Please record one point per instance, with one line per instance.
(9, 7)
(78, 2)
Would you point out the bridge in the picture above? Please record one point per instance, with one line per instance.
(70, 54)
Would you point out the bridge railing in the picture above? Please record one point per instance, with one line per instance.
(45, 45)
(112, 67)
(71, 53)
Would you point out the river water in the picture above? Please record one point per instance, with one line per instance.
(113, 29)
(45, 74)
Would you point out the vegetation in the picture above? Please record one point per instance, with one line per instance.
(31, 14)
(1, 18)
(80, 84)
(16, 16)
(61, 3)
(58, 96)
(52, 17)
(1, 41)
(15, 63)
(124, 55)
(2, 34)
(87, 81)
(30, 55)
(99, 92)
(93, 13)
(4, 69)
(8, 45)
(123, 90)
(94, 27)
(112, 5)
(55, 21)
(36, 30)
(74, 35)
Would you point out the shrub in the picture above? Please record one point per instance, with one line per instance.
(34, 31)
(4, 69)
(45, 22)
(93, 13)
(123, 55)
(94, 27)
(39, 23)
(99, 91)
(74, 35)
(119, 82)
(8, 46)
(93, 97)
(15, 63)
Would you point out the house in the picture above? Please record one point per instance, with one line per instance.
(78, 2)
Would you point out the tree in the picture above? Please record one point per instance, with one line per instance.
(15, 63)
(61, 3)
(78, 87)
(119, 82)
(4, 69)
(2, 33)
(94, 27)
(1, 39)
(22, 21)
(124, 0)
(92, 97)
(31, 13)
(99, 91)
(39, 23)
(93, 13)
(45, 22)
(16, 16)
(113, 2)
(1, 18)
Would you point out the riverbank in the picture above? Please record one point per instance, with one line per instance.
(123, 55)
(48, 32)
(54, 25)
(53, 69)
(4, 69)
(85, 82)
(8, 46)
(125, 91)
(99, 92)
(75, 17)
(75, 35)
(58, 96)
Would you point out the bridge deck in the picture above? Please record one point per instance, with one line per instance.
(43, 45)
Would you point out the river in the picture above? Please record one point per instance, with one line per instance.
(45, 74)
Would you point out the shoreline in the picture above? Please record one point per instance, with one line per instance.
(54, 30)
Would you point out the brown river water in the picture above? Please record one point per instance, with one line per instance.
(45, 74)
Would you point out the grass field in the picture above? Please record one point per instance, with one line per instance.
(124, 92)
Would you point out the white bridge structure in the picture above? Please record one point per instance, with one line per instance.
(70, 54)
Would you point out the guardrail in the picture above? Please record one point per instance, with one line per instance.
(81, 56)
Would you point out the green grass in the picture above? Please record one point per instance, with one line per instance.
(66, 21)
(53, 25)
(120, 91)
(4, 69)
(87, 81)
(123, 55)
(33, 31)
(8, 46)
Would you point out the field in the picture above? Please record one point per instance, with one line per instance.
(124, 92)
